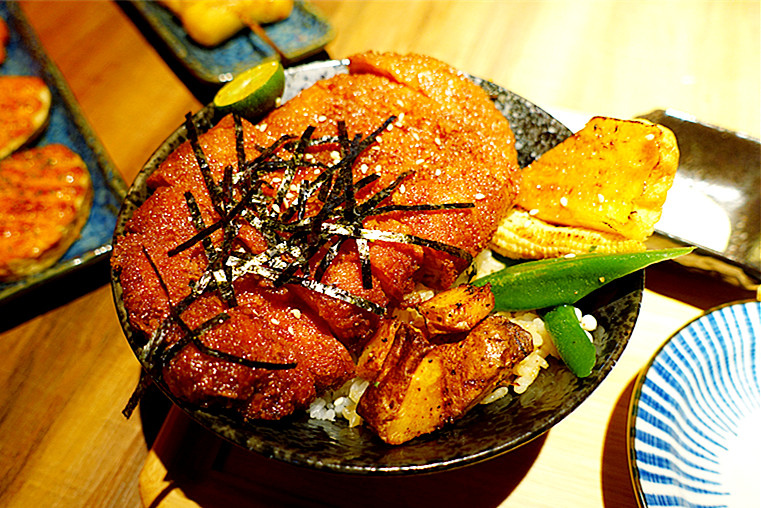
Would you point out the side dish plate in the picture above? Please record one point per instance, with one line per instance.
(67, 125)
(695, 414)
(304, 33)
(715, 201)
(484, 432)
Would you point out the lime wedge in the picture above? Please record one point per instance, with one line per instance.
(252, 93)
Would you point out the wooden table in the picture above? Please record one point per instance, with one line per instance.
(66, 370)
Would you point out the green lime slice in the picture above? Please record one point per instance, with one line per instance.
(252, 93)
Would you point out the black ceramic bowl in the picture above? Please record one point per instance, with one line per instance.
(484, 432)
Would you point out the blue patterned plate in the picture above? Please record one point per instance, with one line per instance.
(67, 126)
(304, 33)
(695, 419)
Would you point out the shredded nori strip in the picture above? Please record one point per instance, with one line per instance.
(211, 186)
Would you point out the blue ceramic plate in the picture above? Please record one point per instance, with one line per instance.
(695, 420)
(66, 126)
(485, 431)
(302, 34)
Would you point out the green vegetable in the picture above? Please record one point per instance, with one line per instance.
(570, 339)
(551, 282)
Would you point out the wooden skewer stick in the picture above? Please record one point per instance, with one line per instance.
(259, 31)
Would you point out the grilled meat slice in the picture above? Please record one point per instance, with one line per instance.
(24, 110)
(45, 200)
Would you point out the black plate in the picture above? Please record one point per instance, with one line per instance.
(484, 432)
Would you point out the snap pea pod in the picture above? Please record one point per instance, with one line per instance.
(570, 339)
(551, 282)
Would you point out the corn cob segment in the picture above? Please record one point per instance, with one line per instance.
(523, 236)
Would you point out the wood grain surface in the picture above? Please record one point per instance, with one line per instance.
(66, 370)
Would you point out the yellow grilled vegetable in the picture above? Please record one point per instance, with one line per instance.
(523, 236)
(611, 176)
(211, 22)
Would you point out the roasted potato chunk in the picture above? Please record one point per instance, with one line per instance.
(377, 349)
(423, 386)
(458, 309)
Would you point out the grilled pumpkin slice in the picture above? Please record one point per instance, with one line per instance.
(611, 176)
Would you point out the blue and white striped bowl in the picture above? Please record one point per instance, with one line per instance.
(695, 417)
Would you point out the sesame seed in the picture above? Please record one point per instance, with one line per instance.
(378, 168)
(533, 211)
(650, 137)
(479, 196)
(321, 118)
(402, 188)
(564, 201)
(274, 321)
(414, 135)
(296, 313)
(378, 139)
(437, 141)
(390, 127)
(400, 103)
(601, 198)
(262, 127)
(419, 161)
(437, 172)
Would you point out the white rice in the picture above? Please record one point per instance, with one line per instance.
(340, 403)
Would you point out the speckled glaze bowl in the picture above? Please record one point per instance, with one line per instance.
(484, 432)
